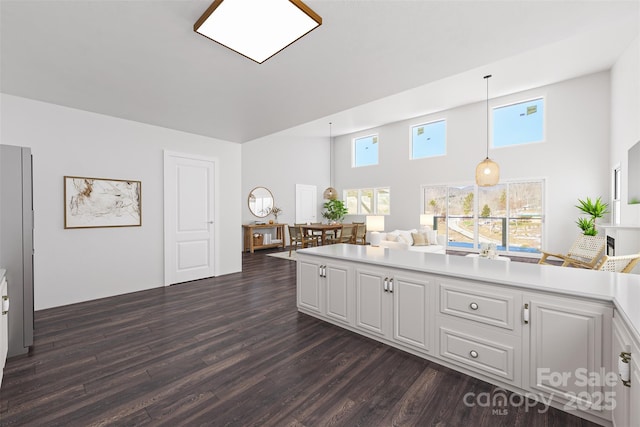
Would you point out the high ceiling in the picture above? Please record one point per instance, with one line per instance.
(369, 63)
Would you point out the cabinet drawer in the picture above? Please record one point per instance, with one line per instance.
(481, 303)
(481, 349)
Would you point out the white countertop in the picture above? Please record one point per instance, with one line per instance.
(621, 289)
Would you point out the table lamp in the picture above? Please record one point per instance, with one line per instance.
(375, 224)
(426, 221)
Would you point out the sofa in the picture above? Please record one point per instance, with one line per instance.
(424, 240)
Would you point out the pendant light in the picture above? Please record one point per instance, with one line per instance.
(330, 193)
(487, 171)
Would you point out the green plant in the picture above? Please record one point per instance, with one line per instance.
(335, 210)
(587, 227)
(595, 209)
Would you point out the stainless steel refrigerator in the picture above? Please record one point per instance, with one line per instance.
(16, 243)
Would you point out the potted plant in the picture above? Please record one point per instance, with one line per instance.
(335, 210)
(595, 209)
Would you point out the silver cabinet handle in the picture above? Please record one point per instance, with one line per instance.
(391, 285)
(5, 304)
(473, 306)
(473, 354)
(386, 284)
(623, 368)
(525, 314)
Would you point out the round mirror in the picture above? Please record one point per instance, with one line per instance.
(260, 202)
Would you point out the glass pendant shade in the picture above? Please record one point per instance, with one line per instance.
(487, 173)
(330, 193)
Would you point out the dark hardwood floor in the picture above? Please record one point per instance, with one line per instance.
(232, 351)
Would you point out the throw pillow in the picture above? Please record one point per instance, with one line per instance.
(432, 237)
(419, 239)
(392, 237)
(405, 236)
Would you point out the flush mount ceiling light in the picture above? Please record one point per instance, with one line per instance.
(257, 29)
(487, 171)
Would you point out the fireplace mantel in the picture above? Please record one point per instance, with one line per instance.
(618, 226)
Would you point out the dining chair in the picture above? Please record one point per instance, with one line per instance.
(310, 233)
(585, 252)
(345, 234)
(298, 237)
(361, 235)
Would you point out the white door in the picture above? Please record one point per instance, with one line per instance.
(188, 217)
(306, 203)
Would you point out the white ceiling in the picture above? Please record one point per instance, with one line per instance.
(371, 62)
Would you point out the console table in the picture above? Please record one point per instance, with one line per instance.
(250, 229)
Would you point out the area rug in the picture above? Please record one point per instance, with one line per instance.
(284, 255)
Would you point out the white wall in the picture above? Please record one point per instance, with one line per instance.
(625, 121)
(573, 159)
(279, 162)
(83, 264)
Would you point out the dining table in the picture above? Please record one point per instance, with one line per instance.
(322, 228)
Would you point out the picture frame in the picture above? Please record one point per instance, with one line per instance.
(101, 202)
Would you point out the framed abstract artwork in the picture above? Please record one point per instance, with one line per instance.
(98, 202)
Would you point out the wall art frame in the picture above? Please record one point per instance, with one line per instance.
(101, 202)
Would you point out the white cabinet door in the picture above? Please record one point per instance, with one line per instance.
(397, 305)
(566, 341)
(309, 291)
(373, 302)
(326, 287)
(339, 291)
(413, 309)
(621, 343)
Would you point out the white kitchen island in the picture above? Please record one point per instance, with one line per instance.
(541, 331)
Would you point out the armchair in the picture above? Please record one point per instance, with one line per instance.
(585, 252)
(620, 264)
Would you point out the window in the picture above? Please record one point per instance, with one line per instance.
(368, 201)
(492, 215)
(507, 214)
(519, 123)
(428, 139)
(435, 205)
(383, 201)
(460, 218)
(365, 151)
(524, 216)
